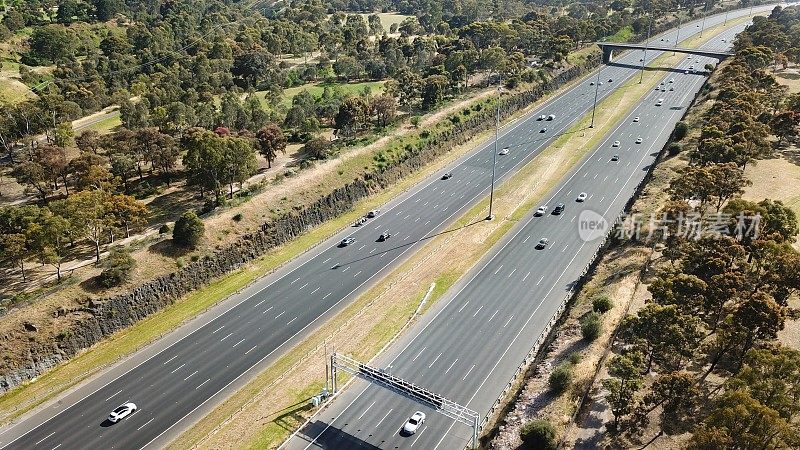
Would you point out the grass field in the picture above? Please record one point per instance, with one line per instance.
(790, 79)
(13, 91)
(387, 19)
(105, 126)
(316, 90)
(623, 35)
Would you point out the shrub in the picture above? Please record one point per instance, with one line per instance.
(674, 148)
(117, 268)
(602, 304)
(591, 326)
(539, 435)
(163, 229)
(561, 378)
(237, 217)
(415, 120)
(189, 229)
(574, 358)
(681, 128)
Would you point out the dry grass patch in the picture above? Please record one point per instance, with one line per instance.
(789, 78)
(777, 179)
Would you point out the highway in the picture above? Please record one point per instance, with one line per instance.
(471, 345)
(175, 381)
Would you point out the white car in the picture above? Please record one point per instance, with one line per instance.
(671, 88)
(414, 422)
(121, 412)
(551, 117)
(636, 119)
(542, 117)
(540, 211)
(503, 151)
(581, 197)
(600, 83)
(615, 144)
(639, 140)
(615, 158)
(373, 213)
(542, 243)
(672, 80)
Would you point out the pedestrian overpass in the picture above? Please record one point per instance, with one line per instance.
(608, 49)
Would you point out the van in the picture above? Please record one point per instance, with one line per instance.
(659, 102)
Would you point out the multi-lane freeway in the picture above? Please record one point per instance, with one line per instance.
(463, 351)
(470, 347)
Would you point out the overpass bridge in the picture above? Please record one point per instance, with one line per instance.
(608, 49)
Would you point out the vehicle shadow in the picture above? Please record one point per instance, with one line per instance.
(106, 423)
(330, 437)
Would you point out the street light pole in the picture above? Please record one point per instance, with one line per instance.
(726, 18)
(596, 88)
(703, 26)
(494, 159)
(678, 33)
(646, 43)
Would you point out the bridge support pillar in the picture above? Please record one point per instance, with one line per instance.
(608, 54)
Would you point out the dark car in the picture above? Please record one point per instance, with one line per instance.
(558, 209)
(386, 235)
(347, 241)
(447, 176)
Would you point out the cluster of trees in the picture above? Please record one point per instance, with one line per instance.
(208, 51)
(48, 234)
(717, 309)
(750, 106)
(185, 74)
(719, 302)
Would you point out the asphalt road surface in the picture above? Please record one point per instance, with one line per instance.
(172, 386)
(471, 346)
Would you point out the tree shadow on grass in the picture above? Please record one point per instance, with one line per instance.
(92, 285)
(169, 207)
(792, 154)
(168, 248)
